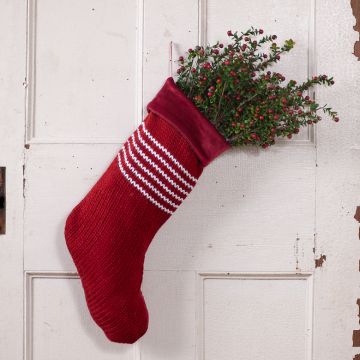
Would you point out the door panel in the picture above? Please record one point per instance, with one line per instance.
(81, 61)
(256, 316)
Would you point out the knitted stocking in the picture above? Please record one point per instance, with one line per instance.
(109, 231)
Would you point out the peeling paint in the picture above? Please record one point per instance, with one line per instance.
(320, 261)
(356, 333)
(356, 338)
(355, 4)
(357, 217)
(357, 214)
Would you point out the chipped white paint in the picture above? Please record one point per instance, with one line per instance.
(232, 273)
(338, 186)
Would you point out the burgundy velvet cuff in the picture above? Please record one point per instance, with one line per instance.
(173, 106)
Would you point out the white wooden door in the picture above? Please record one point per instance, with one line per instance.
(260, 262)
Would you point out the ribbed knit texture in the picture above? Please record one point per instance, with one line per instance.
(109, 231)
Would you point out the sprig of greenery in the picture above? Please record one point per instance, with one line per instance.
(247, 103)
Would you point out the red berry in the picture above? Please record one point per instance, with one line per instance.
(190, 50)
(289, 136)
(264, 146)
(336, 119)
(253, 136)
(233, 124)
(227, 62)
(221, 46)
(212, 88)
(265, 56)
(276, 117)
(299, 93)
(307, 97)
(193, 70)
(229, 33)
(277, 57)
(261, 117)
(242, 126)
(181, 58)
(247, 38)
(274, 37)
(261, 31)
(215, 51)
(218, 81)
(209, 94)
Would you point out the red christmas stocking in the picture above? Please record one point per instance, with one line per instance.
(109, 231)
